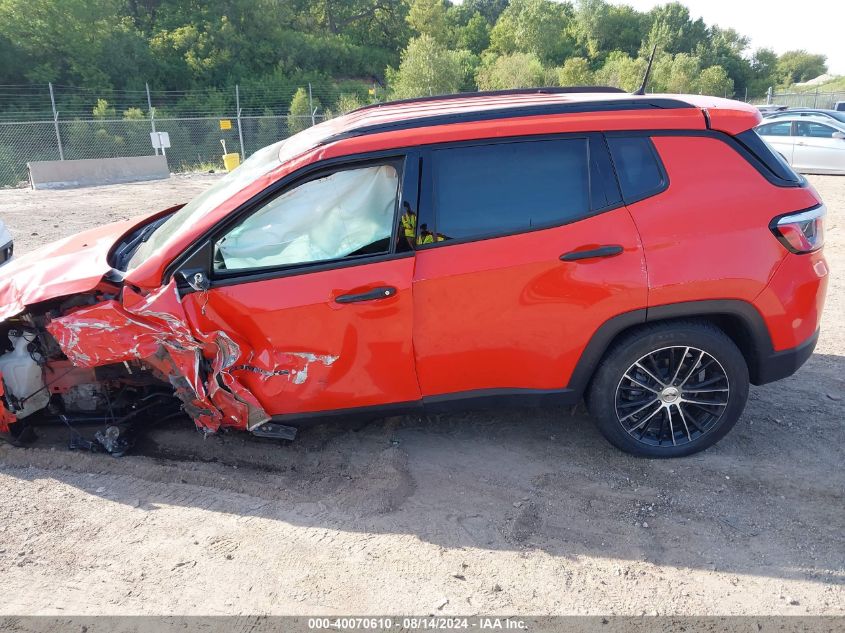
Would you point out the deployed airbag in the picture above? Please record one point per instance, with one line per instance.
(323, 219)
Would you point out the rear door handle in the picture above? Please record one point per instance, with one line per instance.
(602, 251)
(382, 292)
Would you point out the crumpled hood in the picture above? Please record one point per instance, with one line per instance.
(69, 266)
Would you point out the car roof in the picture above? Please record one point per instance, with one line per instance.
(506, 104)
(780, 113)
(824, 112)
(839, 125)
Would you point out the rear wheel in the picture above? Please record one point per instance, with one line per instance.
(669, 390)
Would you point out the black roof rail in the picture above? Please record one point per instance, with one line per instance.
(551, 90)
(512, 111)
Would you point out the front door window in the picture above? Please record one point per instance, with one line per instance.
(344, 214)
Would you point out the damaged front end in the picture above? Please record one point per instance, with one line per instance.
(109, 355)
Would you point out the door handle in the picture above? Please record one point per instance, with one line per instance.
(382, 292)
(602, 251)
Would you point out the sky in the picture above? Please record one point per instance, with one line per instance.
(817, 26)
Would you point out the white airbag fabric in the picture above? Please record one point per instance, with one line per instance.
(323, 219)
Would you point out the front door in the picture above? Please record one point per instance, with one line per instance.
(526, 251)
(314, 289)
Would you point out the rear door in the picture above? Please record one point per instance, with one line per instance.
(779, 135)
(816, 150)
(526, 251)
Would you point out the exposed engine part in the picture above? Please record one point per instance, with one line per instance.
(88, 397)
(23, 377)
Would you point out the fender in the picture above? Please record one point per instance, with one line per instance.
(739, 319)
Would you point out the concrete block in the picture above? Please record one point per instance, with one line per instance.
(67, 174)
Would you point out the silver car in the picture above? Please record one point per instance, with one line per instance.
(6, 248)
(812, 145)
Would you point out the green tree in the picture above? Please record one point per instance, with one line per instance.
(621, 71)
(602, 27)
(474, 36)
(715, 81)
(575, 72)
(427, 68)
(541, 27)
(674, 31)
(726, 48)
(133, 114)
(518, 70)
(676, 74)
(347, 102)
(796, 66)
(299, 113)
(489, 9)
(103, 110)
(428, 17)
(764, 71)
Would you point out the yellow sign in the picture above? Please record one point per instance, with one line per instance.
(225, 124)
(372, 91)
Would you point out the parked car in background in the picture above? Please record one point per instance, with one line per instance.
(811, 145)
(839, 106)
(808, 112)
(770, 108)
(6, 246)
(649, 253)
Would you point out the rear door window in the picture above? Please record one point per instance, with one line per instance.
(487, 190)
(815, 130)
(637, 167)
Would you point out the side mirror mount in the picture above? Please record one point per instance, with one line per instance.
(193, 273)
(196, 280)
(839, 135)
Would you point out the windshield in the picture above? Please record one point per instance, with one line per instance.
(255, 166)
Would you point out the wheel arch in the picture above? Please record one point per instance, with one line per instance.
(738, 319)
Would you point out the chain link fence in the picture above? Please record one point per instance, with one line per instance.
(195, 143)
(806, 99)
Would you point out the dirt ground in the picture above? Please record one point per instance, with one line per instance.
(527, 511)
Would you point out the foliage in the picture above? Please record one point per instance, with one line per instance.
(272, 47)
(540, 27)
(575, 72)
(103, 110)
(517, 70)
(621, 71)
(347, 102)
(427, 68)
(795, 66)
(429, 17)
(299, 113)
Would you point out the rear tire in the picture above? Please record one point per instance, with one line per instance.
(669, 390)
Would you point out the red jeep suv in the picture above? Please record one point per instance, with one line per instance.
(648, 253)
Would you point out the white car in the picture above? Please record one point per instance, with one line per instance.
(6, 247)
(812, 145)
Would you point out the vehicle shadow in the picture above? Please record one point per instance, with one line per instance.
(766, 501)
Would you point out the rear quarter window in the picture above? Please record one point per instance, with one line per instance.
(637, 166)
(772, 161)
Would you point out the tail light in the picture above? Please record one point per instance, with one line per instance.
(801, 232)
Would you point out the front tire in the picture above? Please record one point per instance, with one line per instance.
(669, 390)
